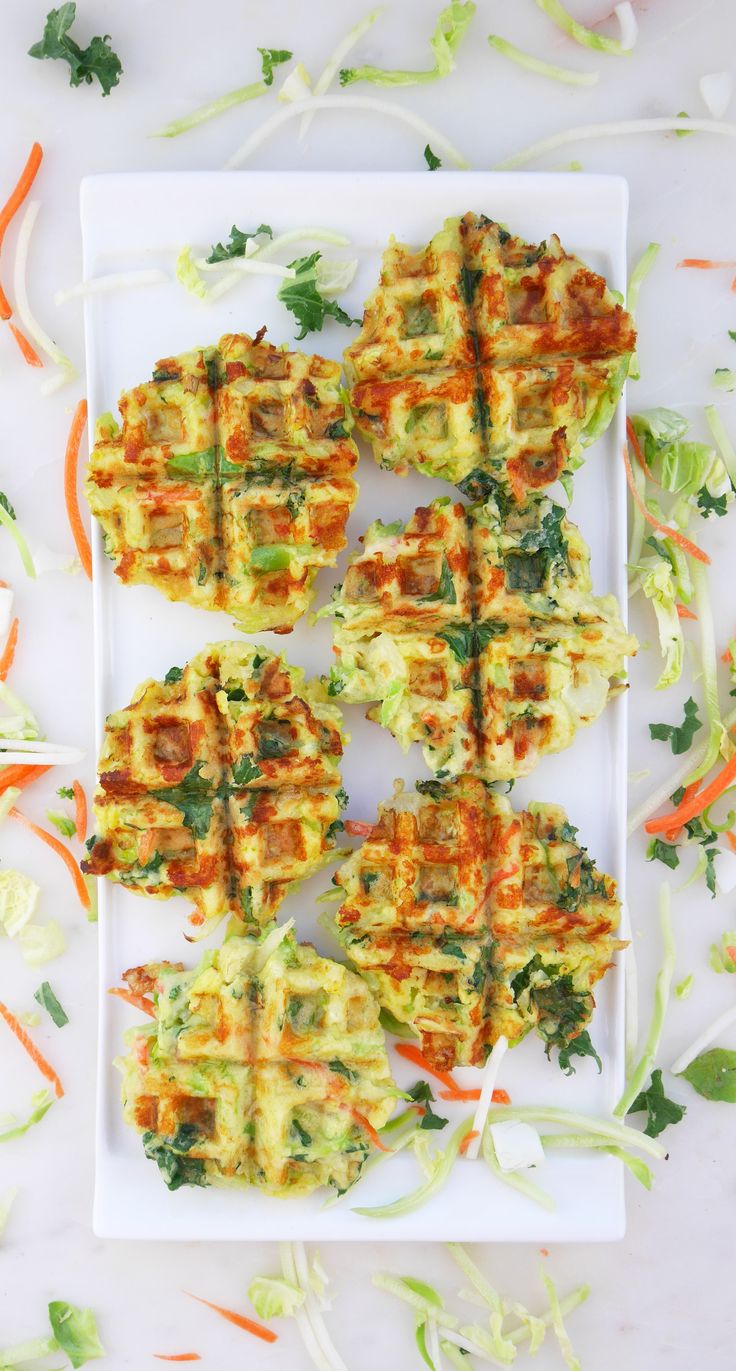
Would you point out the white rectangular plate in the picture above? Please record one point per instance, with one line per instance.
(141, 220)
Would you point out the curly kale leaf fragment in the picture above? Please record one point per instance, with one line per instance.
(96, 60)
(581, 1046)
(711, 504)
(4, 501)
(559, 1008)
(431, 158)
(302, 297)
(238, 242)
(445, 589)
(680, 737)
(660, 1111)
(270, 58)
(48, 1001)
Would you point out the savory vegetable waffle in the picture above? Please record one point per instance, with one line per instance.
(469, 920)
(478, 633)
(220, 783)
(483, 359)
(230, 482)
(266, 1066)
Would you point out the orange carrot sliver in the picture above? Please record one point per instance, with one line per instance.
(44, 1067)
(177, 1356)
(455, 1096)
(684, 613)
(673, 533)
(26, 347)
(8, 652)
(704, 263)
(641, 459)
(80, 810)
(240, 1320)
(18, 195)
(5, 310)
(410, 1053)
(20, 774)
(465, 1144)
(71, 458)
(58, 847)
(690, 808)
(731, 840)
(138, 1001)
(357, 829)
(367, 1126)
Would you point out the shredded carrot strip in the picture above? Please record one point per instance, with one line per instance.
(18, 195)
(673, 533)
(20, 775)
(26, 347)
(44, 1067)
(249, 1325)
(731, 954)
(8, 653)
(80, 810)
(13, 204)
(177, 1356)
(138, 1001)
(465, 1144)
(693, 806)
(726, 656)
(370, 1130)
(684, 613)
(498, 1097)
(410, 1053)
(641, 459)
(704, 263)
(56, 846)
(731, 840)
(357, 829)
(71, 458)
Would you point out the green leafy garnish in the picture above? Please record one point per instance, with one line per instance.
(6, 505)
(433, 162)
(469, 283)
(96, 60)
(711, 504)
(342, 1070)
(169, 1154)
(224, 252)
(680, 737)
(193, 797)
(173, 675)
(421, 1093)
(270, 58)
(660, 1111)
(245, 770)
(303, 299)
(659, 851)
(581, 1046)
(48, 1001)
(65, 792)
(467, 641)
(713, 1075)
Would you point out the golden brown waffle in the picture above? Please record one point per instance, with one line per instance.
(269, 1068)
(229, 483)
(220, 783)
(483, 359)
(469, 921)
(478, 633)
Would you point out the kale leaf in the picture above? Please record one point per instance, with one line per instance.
(224, 252)
(96, 60)
(680, 737)
(303, 299)
(432, 160)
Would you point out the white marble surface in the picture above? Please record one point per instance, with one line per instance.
(663, 1297)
